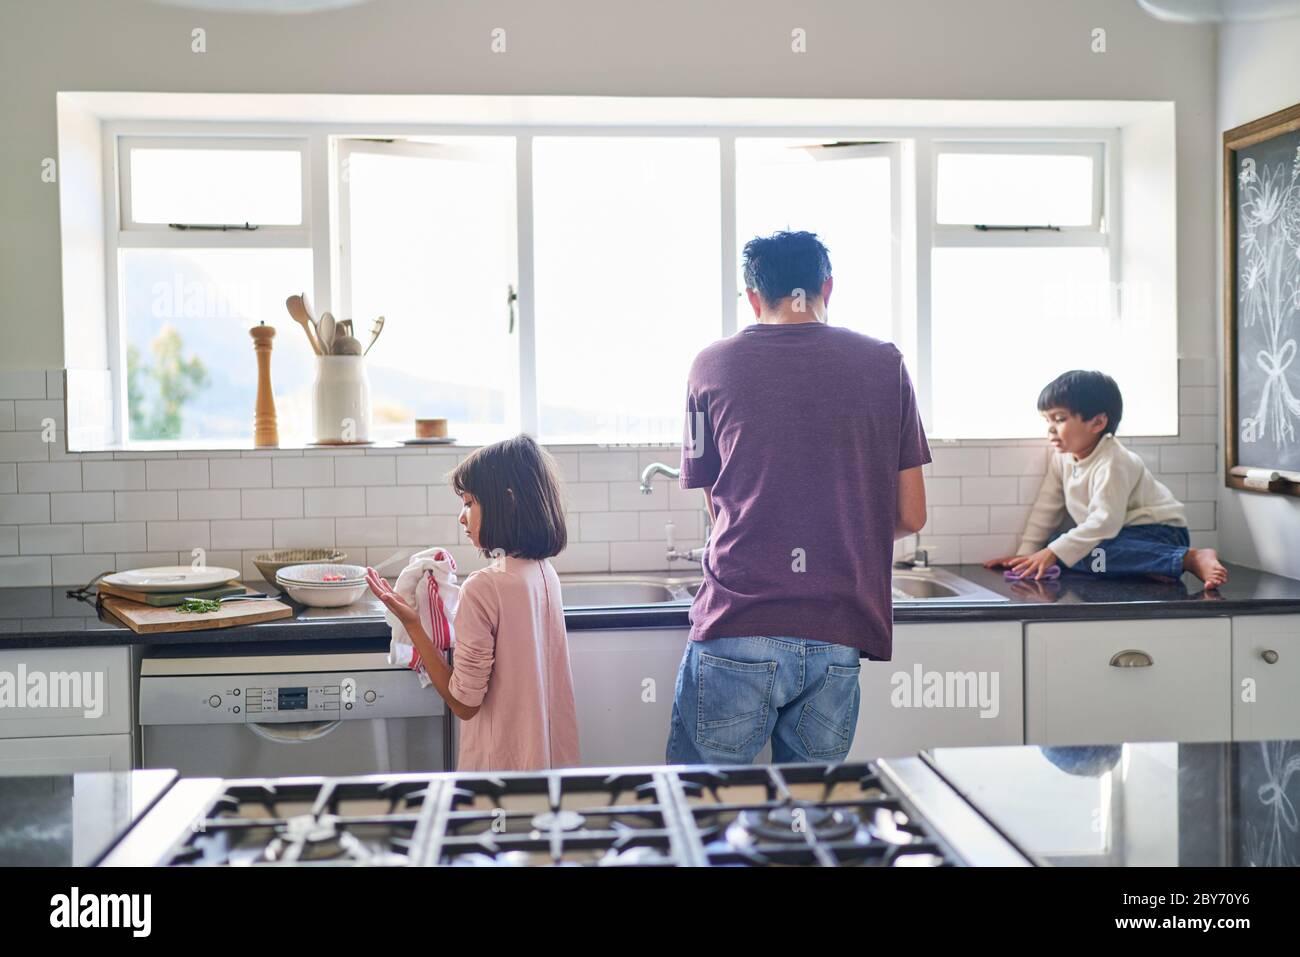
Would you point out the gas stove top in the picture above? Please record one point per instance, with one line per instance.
(894, 813)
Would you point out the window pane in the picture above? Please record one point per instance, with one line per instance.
(998, 189)
(1005, 322)
(216, 186)
(192, 372)
(628, 287)
(846, 202)
(433, 251)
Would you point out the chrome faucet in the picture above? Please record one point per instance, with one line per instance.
(920, 557)
(694, 554)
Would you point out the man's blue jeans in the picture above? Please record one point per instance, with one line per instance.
(1139, 550)
(733, 694)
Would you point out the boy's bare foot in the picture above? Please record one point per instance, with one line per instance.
(1204, 564)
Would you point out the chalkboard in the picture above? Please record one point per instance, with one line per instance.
(1262, 303)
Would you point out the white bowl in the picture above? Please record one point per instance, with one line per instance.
(324, 596)
(314, 574)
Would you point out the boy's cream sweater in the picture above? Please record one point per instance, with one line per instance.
(1109, 489)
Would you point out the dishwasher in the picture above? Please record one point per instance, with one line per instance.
(289, 714)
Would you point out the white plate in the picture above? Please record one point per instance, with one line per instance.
(170, 578)
(313, 573)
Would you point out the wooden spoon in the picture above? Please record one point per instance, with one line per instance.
(327, 329)
(298, 310)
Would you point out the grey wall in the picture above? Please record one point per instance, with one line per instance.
(1259, 73)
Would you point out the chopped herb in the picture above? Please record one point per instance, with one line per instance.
(199, 606)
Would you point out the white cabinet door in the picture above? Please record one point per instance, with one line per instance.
(94, 752)
(65, 691)
(1101, 682)
(948, 685)
(1265, 677)
(623, 681)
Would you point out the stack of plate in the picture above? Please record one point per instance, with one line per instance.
(322, 584)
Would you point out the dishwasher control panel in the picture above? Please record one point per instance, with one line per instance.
(282, 698)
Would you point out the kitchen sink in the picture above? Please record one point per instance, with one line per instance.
(911, 586)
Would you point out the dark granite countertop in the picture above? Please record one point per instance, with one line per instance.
(62, 820)
(1221, 804)
(45, 617)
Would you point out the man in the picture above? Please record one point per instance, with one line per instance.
(808, 444)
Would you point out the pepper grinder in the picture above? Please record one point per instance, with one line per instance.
(265, 432)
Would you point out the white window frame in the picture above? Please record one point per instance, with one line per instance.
(912, 151)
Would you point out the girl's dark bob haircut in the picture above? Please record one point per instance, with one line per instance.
(517, 485)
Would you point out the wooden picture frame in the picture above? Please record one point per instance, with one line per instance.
(1261, 304)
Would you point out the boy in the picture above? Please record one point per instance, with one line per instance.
(1126, 523)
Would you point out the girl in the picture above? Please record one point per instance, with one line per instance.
(510, 684)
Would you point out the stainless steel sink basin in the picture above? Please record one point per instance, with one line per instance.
(596, 591)
(911, 587)
(931, 585)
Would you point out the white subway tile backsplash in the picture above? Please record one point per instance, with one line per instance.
(981, 548)
(1203, 487)
(949, 460)
(49, 476)
(23, 384)
(1187, 458)
(1177, 485)
(79, 569)
(425, 469)
(177, 473)
(6, 415)
(378, 530)
(396, 500)
(608, 466)
(244, 533)
(28, 570)
(8, 539)
(626, 496)
(1200, 515)
(49, 539)
(209, 503)
(114, 536)
(365, 470)
(272, 503)
(81, 506)
(426, 531)
(942, 491)
(112, 476)
(959, 520)
(586, 496)
(177, 536)
(239, 473)
(582, 557)
(8, 477)
(314, 472)
(26, 509)
(23, 447)
(988, 491)
(637, 556)
(1018, 460)
(608, 527)
(303, 532)
(137, 506)
(334, 502)
(442, 500)
(1008, 518)
(38, 414)
(1198, 400)
(686, 525)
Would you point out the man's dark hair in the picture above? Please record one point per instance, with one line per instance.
(517, 485)
(1086, 393)
(779, 264)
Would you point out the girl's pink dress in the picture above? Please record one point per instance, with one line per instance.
(511, 658)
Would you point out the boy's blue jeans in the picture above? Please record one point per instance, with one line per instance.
(733, 694)
(1138, 550)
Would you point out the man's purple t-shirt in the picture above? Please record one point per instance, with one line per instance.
(800, 431)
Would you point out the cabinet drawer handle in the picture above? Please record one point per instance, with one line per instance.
(1270, 656)
(1131, 659)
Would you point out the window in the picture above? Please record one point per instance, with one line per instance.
(1021, 285)
(429, 244)
(213, 236)
(625, 243)
(560, 281)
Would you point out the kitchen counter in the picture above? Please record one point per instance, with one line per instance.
(45, 617)
(61, 820)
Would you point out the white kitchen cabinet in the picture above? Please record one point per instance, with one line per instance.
(1265, 677)
(623, 681)
(65, 755)
(1096, 682)
(947, 685)
(100, 679)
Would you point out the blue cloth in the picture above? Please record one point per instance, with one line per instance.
(733, 694)
(1139, 550)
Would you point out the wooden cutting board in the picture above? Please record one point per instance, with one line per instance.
(146, 619)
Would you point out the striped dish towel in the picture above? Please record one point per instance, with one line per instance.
(428, 584)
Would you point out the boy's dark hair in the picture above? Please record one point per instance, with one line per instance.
(1086, 393)
(517, 485)
(779, 264)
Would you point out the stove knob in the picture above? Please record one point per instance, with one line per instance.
(370, 697)
(215, 701)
